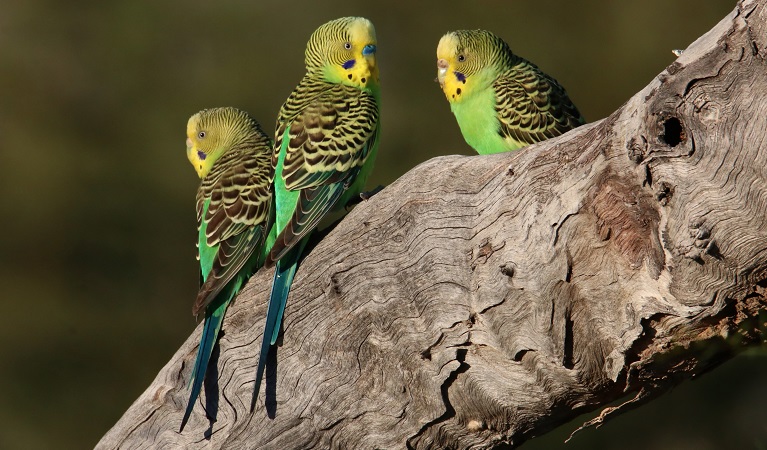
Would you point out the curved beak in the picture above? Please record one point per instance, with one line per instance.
(196, 157)
(442, 66)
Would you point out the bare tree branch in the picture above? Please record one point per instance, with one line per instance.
(481, 301)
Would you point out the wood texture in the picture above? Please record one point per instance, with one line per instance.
(478, 302)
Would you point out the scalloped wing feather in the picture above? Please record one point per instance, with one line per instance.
(331, 130)
(531, 106)
(236, 219)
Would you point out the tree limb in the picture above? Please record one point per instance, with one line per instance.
(478, 302)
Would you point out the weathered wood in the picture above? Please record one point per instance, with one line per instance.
(480, 301)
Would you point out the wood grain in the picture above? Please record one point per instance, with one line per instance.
(478, 302)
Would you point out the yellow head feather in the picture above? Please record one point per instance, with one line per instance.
(194, 153)
(463, 57)
(212, 132)
(343, 51)
(447, 52)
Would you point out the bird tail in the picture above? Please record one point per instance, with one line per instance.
(207, 342)
(283, 278)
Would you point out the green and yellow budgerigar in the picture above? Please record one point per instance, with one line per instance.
(501, 101)
(233, 158)
(325, 143)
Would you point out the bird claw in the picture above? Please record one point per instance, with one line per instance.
(364, 196)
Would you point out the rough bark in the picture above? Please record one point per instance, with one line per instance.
(478, 302)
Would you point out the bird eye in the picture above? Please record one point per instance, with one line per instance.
(201, 134)
(348, 45)
(461, 58)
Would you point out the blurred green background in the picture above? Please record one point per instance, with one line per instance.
(97, 250)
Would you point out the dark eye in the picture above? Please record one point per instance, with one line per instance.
(348, 45)
(461, 58)
(201, 134)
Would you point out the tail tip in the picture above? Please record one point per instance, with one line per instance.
(183, 424)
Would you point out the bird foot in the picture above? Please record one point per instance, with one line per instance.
(364, 196)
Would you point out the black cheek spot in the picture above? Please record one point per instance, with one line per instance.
(458, 91)
(364, 80)
(350, 76)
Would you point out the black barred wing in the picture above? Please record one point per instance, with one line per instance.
(328, 138)
(237, 219)
(328, 142)
(531, 106)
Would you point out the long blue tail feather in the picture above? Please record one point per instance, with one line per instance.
(283, 278)
(208, 340)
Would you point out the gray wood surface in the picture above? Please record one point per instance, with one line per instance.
(478, 302)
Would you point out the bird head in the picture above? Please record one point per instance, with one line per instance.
(211, 133)
(463, 57)
(344, 51)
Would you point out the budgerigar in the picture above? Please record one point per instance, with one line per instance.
(502, 102)
(325, 143)
(233, 158)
